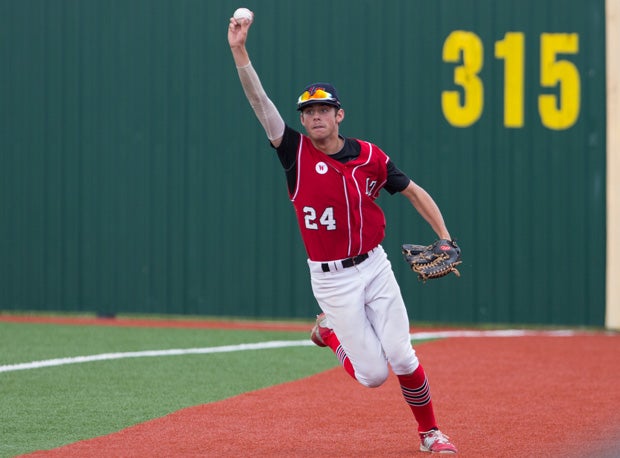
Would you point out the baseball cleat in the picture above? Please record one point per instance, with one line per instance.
(320, 331)
(436, 442)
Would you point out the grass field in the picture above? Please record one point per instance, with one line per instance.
(43, 408)
(501, 382)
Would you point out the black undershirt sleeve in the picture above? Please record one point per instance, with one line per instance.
(397, 181)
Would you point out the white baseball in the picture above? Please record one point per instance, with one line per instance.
(243, 13)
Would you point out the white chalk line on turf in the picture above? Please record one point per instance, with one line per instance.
(151, 353)
(259, 346)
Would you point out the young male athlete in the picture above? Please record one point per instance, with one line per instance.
(333, 182)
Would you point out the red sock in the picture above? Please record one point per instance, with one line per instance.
(332, 342)
(418, 395)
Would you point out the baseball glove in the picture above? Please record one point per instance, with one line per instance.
(433, 261)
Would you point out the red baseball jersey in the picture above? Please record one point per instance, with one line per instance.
(335, 202)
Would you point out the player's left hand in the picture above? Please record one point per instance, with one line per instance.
(433, 261)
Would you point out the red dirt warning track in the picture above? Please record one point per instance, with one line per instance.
(534, 396)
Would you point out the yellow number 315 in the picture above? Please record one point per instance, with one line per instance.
(463, 108)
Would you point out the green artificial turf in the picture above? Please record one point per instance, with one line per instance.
(45, 408)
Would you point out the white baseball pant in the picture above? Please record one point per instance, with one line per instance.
(365, 308)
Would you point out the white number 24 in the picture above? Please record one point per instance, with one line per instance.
(326, 219)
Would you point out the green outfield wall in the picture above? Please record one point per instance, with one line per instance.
(135, 178)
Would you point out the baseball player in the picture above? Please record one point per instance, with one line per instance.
(333, 182)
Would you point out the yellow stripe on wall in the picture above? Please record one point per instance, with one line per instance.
(612, 315)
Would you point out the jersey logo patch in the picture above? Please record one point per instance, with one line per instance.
(370, 186)
(321, 168)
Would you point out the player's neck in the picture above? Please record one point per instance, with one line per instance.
(329, 145)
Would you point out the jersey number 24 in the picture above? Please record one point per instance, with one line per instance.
(326, 219)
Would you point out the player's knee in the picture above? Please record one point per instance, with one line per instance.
(373, 378)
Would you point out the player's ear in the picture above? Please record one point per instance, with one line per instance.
(339, 115)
